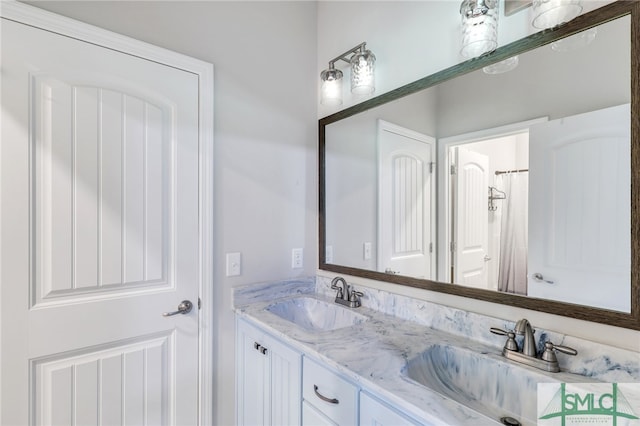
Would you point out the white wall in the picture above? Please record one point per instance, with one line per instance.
(265, 133)
(412, 40)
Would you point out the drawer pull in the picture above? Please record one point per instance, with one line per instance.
(324, 398)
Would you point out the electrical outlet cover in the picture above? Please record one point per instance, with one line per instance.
(296, 258)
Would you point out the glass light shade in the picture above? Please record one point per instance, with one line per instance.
(551, 13)
(479, 27)
(502, 66)
(576, 41)
(363, 80)
(331, 89)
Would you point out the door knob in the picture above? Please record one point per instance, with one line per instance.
(183, 308)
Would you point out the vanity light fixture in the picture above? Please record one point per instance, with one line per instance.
(362, 63)
(551, 13)
(479, 27)
(546, 13)
(331, 90)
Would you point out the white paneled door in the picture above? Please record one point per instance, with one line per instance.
(579, 208)
(99, 215)
(406, 200)
(471, 218)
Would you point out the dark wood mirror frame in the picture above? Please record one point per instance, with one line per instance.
(588, 20)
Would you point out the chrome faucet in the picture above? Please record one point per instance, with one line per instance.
(523, 328)
(344, 296)
(341, 291)
(529, 354)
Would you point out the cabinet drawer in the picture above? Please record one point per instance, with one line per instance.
(375, 412)
(312, 417)
(329, 393)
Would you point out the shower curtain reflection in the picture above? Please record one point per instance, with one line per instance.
(512, 274)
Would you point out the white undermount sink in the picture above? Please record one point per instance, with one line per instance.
(316, 315)
(490, 386)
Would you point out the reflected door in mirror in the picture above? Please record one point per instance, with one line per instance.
(469, 185)
(580, 209)
(405, 202)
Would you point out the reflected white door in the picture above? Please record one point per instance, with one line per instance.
(405, 201)
(579, 208)
(470, 218)
(99, 223)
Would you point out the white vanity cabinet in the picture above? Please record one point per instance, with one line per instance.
(278, 385)
(328, 398)
(267, 379)
(374, 412)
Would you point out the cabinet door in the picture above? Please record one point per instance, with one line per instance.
(267, 379)
(285, 389)
(252, 377)
(376, 413)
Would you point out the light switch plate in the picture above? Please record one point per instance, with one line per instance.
(234, 264)
(366, 251)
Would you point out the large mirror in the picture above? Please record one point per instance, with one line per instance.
(512, 187)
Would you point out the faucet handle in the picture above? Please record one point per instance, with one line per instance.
(355, 295)
(511, 344)
(564, 349)
(549, 351)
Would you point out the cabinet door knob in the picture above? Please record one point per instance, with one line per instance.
(324, 398)
(258, 347)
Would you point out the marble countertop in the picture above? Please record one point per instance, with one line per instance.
(373, 353)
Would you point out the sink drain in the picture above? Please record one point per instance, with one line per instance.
(510, 421)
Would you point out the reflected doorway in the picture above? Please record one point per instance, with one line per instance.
(488, 205)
